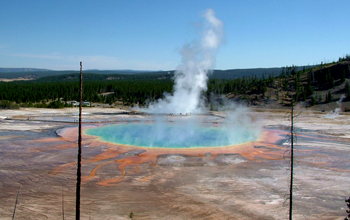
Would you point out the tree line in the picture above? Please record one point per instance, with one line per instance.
(57, 91)
(34, 94)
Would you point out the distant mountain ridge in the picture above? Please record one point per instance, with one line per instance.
(11, 70)
(12, 73)
(18, 70)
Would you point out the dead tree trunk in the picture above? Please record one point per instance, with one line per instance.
(77, 208)
(291, 160)
(14, 211)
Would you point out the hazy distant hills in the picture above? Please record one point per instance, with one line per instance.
(12, 73)
(26, 70)
(12, 70)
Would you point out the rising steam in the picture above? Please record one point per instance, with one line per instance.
(191, 75)
(190, 83)
(336, 111)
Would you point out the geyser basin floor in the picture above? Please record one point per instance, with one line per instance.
(247, 181)
(172, 135)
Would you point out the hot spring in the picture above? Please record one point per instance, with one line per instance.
(174, 134)
(190, 84)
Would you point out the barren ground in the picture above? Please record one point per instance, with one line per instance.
(38, 149)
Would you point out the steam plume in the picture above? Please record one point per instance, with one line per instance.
(191, 75)
(191, 78)
(335, 112)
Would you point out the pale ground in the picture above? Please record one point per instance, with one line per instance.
(174, 184)
(15, 79)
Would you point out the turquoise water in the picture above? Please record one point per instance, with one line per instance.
(169, 135)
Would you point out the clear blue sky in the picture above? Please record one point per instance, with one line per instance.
(148, 34)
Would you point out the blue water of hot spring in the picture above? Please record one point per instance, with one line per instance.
(171, 135)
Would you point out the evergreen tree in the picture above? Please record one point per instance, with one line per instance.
(329, 97)
(332, 82)
(343, 76)
(313, 101)
(310, 90)
(347, 90)
(264, 87)
(282, 73)
(297, 89)
(285, 85)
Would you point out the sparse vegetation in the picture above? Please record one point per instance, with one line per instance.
(4, 104)
(348, 211)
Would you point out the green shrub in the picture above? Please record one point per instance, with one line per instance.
(4, 104)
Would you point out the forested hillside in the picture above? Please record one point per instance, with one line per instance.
(317, 85)
(128, 91)
(14, 73)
